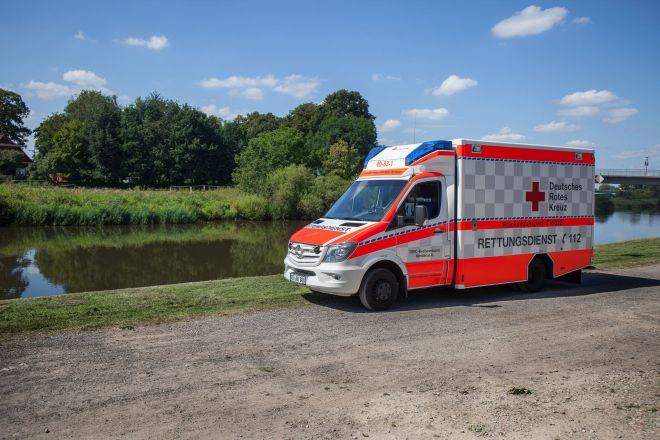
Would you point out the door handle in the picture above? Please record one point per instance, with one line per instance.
(437, 231)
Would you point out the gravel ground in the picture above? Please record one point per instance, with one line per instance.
(438, 366)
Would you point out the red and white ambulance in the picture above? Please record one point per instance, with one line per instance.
(463, 212)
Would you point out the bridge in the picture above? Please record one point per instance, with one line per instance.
(629, 177)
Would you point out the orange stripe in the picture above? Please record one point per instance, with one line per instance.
(467, 225)
(522, 153)
(387, 172)
(432, 155)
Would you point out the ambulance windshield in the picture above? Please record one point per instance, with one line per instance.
(366, 200)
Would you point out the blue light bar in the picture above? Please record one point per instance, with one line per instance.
(426, 148)
(373, 152)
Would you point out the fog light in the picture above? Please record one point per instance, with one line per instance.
(333, 275)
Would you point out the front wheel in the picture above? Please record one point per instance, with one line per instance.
(379, 290)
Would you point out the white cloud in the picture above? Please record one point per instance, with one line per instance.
(589, 97)
(79, 36)
(254, 93)
(433, 114)
(593, 102)
(239, 82)
(84, 78)
(579, 143)
(155, 42)
(390, 124)
(617, 115)
(530, 21)
(580, 111)
(297, 86)
(76, 81)
(505, 134)
(220, 112)
(381, 77)
(554, 126)
(653, 151)
(50, 89)
(582, 20)
(453, 84)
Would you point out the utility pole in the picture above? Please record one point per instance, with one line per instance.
(646, 166)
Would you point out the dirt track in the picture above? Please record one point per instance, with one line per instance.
(439, 366)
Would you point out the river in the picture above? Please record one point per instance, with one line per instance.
(43, 261)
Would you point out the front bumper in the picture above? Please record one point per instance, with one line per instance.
(342, 279)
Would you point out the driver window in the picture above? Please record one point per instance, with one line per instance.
(425, 194)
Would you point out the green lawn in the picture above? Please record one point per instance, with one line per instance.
(128, 307)
(627, 253)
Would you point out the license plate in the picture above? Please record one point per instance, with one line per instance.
(298, 278)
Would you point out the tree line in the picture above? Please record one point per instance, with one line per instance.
(156, 142)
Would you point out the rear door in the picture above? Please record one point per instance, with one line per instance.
(425, 250)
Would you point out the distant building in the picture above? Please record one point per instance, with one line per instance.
(8, 144)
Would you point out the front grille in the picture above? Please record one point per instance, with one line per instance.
(305, 254)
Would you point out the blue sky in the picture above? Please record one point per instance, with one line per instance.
(585, 73)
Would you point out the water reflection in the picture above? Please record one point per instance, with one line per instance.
(49, 261)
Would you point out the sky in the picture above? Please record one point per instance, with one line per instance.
(583, 74)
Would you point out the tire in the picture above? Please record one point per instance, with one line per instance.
(379, 290)
(536, 275)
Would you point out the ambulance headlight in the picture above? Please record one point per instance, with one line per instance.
(339, 252)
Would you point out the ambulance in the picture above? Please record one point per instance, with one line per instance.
(462, 213)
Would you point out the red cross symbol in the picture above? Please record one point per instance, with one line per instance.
(535, 196)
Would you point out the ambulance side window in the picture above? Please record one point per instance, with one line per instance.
(425, 194)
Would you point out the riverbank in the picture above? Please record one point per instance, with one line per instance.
(25, 205)
(129, 307)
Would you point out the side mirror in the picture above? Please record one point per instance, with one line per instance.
(421, 215)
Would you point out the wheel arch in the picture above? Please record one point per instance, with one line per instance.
(395, 269)
(547, 262)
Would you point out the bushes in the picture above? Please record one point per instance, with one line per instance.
(47, 205)
(294, 192)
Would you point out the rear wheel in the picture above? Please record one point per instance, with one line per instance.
(536, 275)
(379, 290)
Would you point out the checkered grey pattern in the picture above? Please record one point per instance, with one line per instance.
(495, 188)
(565, 239)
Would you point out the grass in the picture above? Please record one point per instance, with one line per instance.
(627, 253)
(129, 307)
(47, 205)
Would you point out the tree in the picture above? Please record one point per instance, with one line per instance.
(69, 157)
(345, 103)
(255, 123)
(305, 118)
(266, 153)
(12, 113)
(101, 118)
(44, 133)
(356, 131)
(343, 160)
(165, 143)
(10, 161)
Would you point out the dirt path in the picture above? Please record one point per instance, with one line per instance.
(439, 366)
